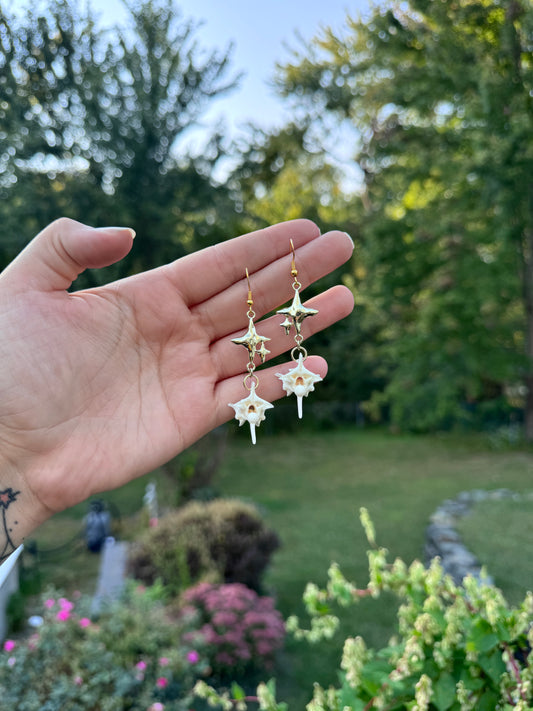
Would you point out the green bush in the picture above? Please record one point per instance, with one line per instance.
(457, 648)
(222, 541)
(16, 611)
(193, 471)
(132, 658)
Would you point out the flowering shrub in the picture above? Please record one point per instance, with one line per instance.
(132, 657)
(457, 648)
(222, 541)
(239, 629)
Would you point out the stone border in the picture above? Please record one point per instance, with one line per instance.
(442, 539)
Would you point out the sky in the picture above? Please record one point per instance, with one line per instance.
(261, 33)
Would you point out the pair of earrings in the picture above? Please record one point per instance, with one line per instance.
(298, 381)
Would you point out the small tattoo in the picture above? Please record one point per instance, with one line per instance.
(7, 497)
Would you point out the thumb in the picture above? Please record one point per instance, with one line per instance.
(63, 250)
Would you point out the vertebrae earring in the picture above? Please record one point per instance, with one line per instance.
(252, 408)
(299, 380)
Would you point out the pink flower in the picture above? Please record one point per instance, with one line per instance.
(65, 604)
(164, 661)
(157, 706)
(9, 645)
(264, 648)
(161, 682)
(224, 618)
(141, 666)
(78, 680)
(63, 615)
(193, 656)
(49, 603)
(154, 521)
(84, 622)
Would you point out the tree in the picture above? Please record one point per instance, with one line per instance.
(285, 174)
(89, 122)
(441, 94)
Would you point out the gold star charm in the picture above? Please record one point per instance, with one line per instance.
(251, 409)
(286, 325)
(299, 381)
(297, 312)
(251, 340)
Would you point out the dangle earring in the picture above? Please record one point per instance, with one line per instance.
(252, 408)
(299, 380)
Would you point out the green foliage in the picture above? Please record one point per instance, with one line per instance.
(131, 657)
(401, 479)
(456, 648)
(193, 471)
(16, 611)
(90, 122)
(440, 94)
(222, 541)
(286, 174)
(281, 175)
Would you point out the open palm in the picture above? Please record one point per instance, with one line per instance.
(102, 385)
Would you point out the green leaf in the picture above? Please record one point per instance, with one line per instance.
(504, 633)
(444, 692)
(237, 692)
(472, 683)
(374, 674)
(349, 697)
(481, 637)
(493, 666)
(488, 701)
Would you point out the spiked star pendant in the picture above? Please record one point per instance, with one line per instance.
(251, 409)
(286, 325)
(297, 312)
(253, 342)
(299, 381)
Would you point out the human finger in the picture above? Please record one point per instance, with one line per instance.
(271, 285)
(332, 305)
(203, 274)
(62, 251)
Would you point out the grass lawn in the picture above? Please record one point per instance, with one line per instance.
(500, 533)
(310, 486)
(63, 559)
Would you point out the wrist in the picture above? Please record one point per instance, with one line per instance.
(20, 513)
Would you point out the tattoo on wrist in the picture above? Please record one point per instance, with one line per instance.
(7, 497)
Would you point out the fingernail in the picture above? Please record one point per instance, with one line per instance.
(122, 229)
(351, 240)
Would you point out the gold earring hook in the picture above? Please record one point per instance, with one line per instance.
(294, 271)
(250, 300)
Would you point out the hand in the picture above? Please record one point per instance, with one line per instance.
(102, 385)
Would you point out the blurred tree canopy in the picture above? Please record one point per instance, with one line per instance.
(89, 121)
(286, 174)
(441, 94)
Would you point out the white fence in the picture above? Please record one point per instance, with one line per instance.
(9, 584)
